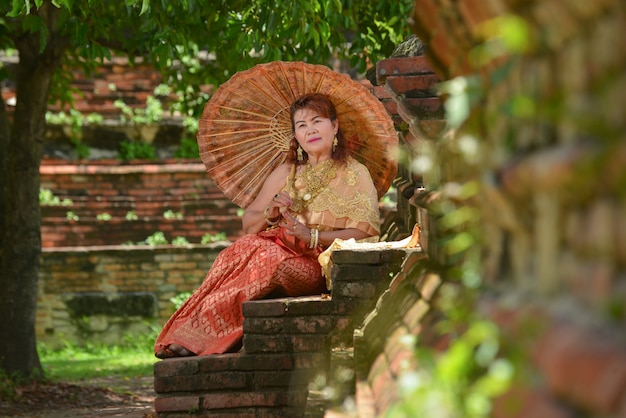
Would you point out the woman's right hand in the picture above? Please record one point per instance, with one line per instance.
(270, 201)
(280, 202)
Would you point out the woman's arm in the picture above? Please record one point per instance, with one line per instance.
(253, 219)
(324, 238)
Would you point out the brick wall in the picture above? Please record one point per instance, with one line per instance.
(101, 293)
(551, 206)
(147, 189)
(116, 79)
(89, 279)
(93, 286)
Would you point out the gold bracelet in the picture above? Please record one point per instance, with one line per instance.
(267, 219)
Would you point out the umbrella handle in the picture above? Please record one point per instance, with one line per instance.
(289, 187)
(291, 178)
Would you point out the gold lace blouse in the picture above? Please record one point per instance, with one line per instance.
(349, 200)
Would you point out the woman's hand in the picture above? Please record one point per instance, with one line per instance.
(268, 202)
(295, 228)
(279, 205)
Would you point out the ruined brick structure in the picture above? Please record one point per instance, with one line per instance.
(551, 208)
(552, 204)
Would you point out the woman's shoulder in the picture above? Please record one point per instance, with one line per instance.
(353, 164)
(282, 170)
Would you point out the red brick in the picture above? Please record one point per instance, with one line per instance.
(286, 379)
(447, 52)
(177, 403)
(310, 325)
(427, 15)
(177, 366)
(475, 12)
(414, 316)
(264, 308)
(366, 407)
(402, 67)
(201, 382)
(428, 285)
(317, 304)
(414, 85)
(263, 325)
(265, 344)
(381, 93)
(402, 361)
(380, 376)
(308, 342)
(261, 398)
(391, 107)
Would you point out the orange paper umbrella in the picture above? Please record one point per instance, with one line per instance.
(245, 130)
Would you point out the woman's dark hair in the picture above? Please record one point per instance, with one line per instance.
(323, 106)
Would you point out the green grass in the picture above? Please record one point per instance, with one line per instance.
(110, 366)
(133, 357)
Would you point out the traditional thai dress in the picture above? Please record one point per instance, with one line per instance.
(271, 262)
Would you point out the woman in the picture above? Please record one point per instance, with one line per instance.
(318, 195)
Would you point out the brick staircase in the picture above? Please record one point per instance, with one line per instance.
(292, 349)
(146, 190)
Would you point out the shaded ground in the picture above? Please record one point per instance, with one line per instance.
(103, 397)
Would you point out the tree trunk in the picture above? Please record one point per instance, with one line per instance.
(21, 237)
(4, 168)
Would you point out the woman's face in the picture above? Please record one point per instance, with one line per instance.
(315, 134)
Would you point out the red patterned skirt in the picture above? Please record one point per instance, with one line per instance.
(253, 267)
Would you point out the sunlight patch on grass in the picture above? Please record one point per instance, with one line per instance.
(133, 358)
(87, 365)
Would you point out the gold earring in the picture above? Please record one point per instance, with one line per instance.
(299, 152)
(335, 142)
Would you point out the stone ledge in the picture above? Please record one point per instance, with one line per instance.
(368, 256)
(117, 167)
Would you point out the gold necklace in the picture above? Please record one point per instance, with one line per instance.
(314, 180)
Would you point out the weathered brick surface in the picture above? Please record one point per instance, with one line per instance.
(554, 224)
(402, 67)
(268, 398)
(381, 350)
(147, 190)
(114, 271)
(286, 345)
(179, 403)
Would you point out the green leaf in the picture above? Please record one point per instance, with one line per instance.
(316, 37)
(18, 6)
(145, 6)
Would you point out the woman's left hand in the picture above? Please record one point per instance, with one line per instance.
(294, 227)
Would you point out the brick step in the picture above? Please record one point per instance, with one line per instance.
(288, 344)
(288, 325)
(98, 191)
(148, 180)
(284, 349)
(159, 197)
(121, 187)
(79, 195)
(235, 384)
(141, 208)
